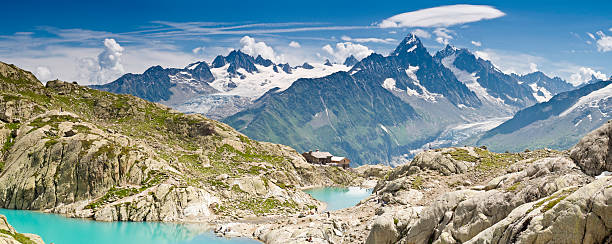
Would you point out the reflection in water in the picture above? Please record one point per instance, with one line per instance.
(339, 197)
(58, 229)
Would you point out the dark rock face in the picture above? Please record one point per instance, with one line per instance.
(156, 82)
(237, 59)
(498, 84)
(350, 61)
(262, 61)
(202, 72)
(286, 67)
(307, 66)
(431, 74)
(153, 85)
(327, 62)
(593, 152)
(219, 62)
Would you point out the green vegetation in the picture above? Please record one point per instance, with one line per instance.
(53, 121)
(112, 195)
(417, 182)
(154, 177)
(51, 142)
(256, 170)
(462, 155)
(284, 186)
(260, 207)
(236, 188)
(21, 238)
(491, 161)
(514, 187)
(81, 128)
(107, 149)
(189, 159)
(552, 203)
(8, 144)
(552, 200)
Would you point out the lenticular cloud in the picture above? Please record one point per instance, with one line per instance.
(442, 16)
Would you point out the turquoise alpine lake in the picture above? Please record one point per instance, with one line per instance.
(57, 229)
(339, 197)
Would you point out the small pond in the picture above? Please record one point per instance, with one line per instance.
(339, 197)
(58, 229)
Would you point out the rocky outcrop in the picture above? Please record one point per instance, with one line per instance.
(573, 214)
(8, 234)
(373, 171)
(459, 216)
(85, 153)
(498, 198)
(383, 231)
(436, 160)
(592, 153)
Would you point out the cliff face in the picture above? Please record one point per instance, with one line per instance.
(87, 153)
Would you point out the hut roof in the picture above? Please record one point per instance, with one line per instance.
(337, 159)
(318, 154)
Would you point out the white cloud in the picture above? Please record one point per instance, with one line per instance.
(510, 62)
(585, 74)
(604, 43)
(421, 33)
(106, 67)
(475, 43)
(43, 73)
(483, 55)
(591, 35)
(253, 48)
(443, 35)
(373, 40)
(295, 44)
(110, 58)
(198, 50)
(346, 49)
(533, 67)
(442, 16)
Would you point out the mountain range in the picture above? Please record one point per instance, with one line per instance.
(557, 124)
(228, 85)
(381, 109)
(387, 107)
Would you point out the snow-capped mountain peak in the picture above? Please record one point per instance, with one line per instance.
(408, 45)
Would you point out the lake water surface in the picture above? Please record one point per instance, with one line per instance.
(339, 197)
(61, 230)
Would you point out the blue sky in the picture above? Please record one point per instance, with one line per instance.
(95, 42)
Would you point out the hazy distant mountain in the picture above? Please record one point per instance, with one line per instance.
(157, 84)
(543, 86)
